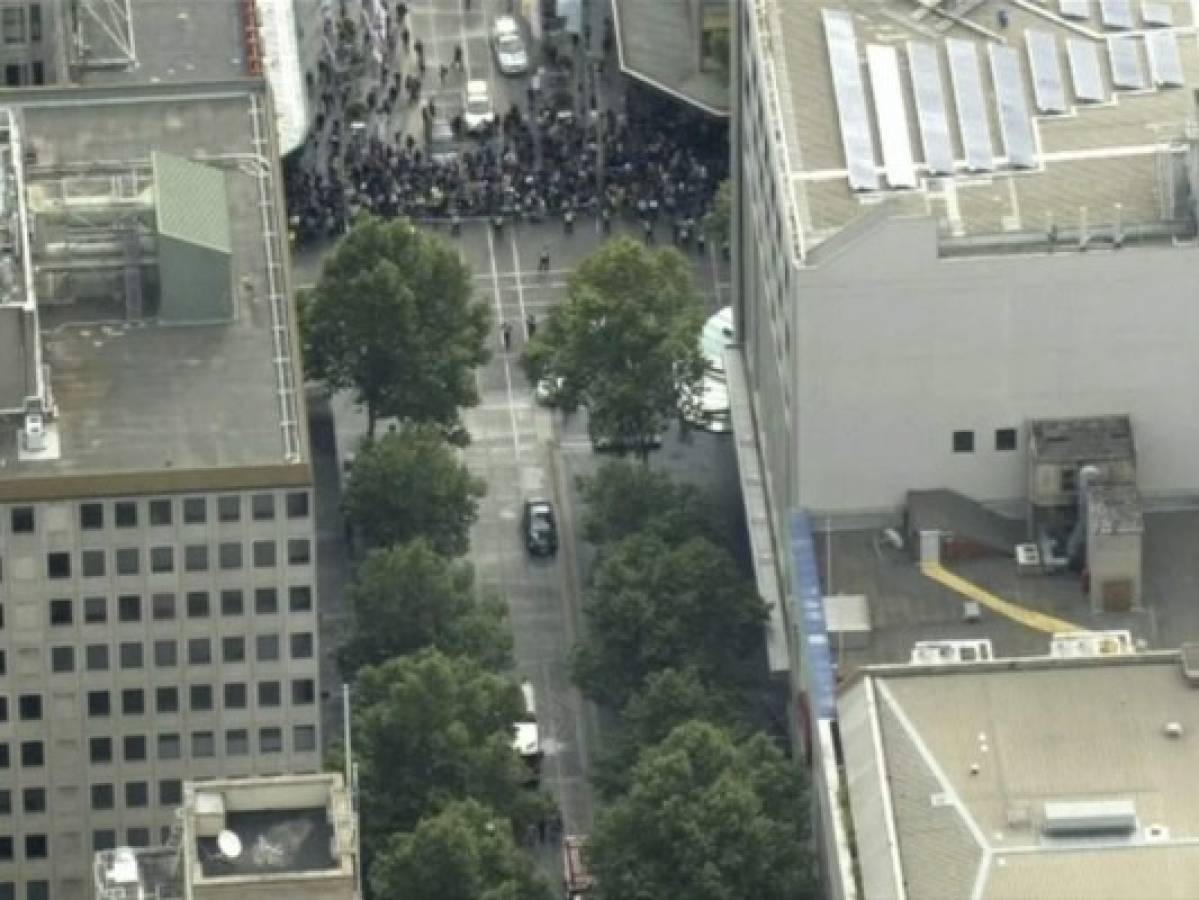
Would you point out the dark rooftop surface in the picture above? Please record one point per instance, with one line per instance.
(177, 40)
(139, 396)
(272, 841)
(906, 607)
(1075, 440)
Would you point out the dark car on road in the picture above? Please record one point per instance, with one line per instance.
(539, 528)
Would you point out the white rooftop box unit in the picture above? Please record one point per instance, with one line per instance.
(1075, 817)
(209, 814)
(951, 651)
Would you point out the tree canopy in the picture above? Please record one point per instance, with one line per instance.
(464, 852)
(408, 597)
(430, 729)
(655, 605)
(408, 484)
(708, 817)
(625, 344)
(392, 318)
(623, 499)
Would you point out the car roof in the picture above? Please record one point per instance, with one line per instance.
(540, 502)
(506, 25)
(476, 86)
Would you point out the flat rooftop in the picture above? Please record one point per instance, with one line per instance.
(135, 395)
(1085, 439)
(1114, 163)
(949, 769)
(272, 841)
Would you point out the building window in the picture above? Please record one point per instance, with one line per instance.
(232, 603)
(125, 513)
(1068, 480)
(103, 796)
(304, 738)
(1005, 439)
(3, 709)
(5, 759)
(96, 657)
(228, 508)
(201, 697)
(6, 851)
(297, 505)
(197, 605)
(195, 511)
(133, 702)
(301, 645)
(199, 651)
(233, 649)
(166, 654)
(58, 564)
(170, 791)
(203, 744)
(22, 519)
(91, 516)
(160, 512)
(267, 648)
(169, 746)
(270, 740)
(229, 555)
(104, 838)
(299, 552)
(33, 754)
(33, 800)
(95, 610)
(29, 707)
(237, 742)
(963, 442)
(62, 659)
(269, 693)
(162, 559)
(264, 554)
(135, 747)
(303, 691)
(266, 601)
(263, 507)
(129, 608)
(235, 695)
(299, 599)
(37, 890)
(128, 561)
(98, 703)
(61, 612)
(162, 607)
(137, 794)
(166, 700)
(195, 558)
(131, 655)
(12, 75)
(37, 846)
(91, 562)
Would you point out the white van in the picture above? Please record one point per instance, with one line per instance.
(526, 739)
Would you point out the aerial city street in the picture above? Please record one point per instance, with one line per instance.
(598, 449)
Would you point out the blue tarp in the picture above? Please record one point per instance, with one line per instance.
(808, 615)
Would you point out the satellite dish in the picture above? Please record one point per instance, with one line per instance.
(229, 844)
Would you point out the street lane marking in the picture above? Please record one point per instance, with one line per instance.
(499, 309)
(520, 291)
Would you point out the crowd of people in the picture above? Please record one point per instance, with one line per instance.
(552, 157)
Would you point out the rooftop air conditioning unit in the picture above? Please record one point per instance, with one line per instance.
(35, 433)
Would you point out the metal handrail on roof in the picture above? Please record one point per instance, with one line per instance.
(280, 323)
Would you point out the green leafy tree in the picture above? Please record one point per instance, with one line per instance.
(392, 318)
(623, 499)
(408, 597)
(464, 852)
(654, 605)
(625, 344)
(409, 484)
(719, 220)
(670, 698)
(708, 817)
(430, 729)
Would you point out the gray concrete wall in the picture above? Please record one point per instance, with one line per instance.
(898, 349)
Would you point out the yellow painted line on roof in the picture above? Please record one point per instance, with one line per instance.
(1029, 617)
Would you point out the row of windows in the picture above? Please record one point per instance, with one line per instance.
(196, 558)
(1005, 440)
(195, 511)
(12, 24)
(269, 693)
(34, 890)
(165, 652)
(163, 606)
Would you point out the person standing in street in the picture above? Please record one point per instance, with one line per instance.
(543, 264)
